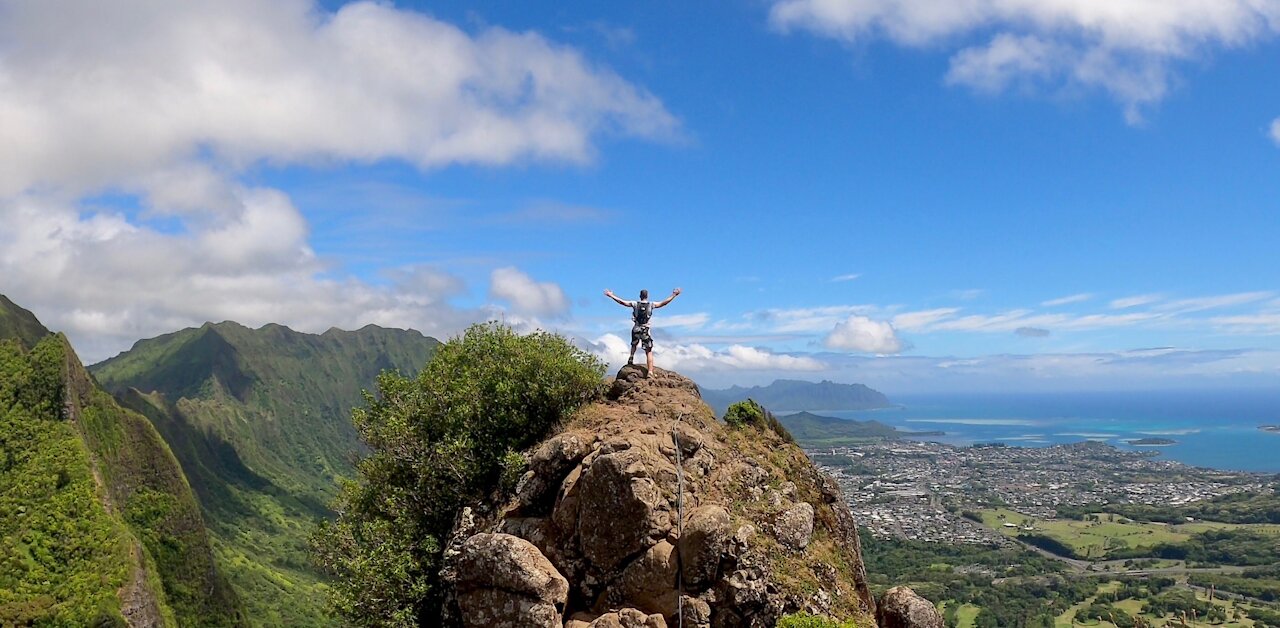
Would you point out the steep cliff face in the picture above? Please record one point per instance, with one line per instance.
(97, 523)
(645, 510)
(144, 483)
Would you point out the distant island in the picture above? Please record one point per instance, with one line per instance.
(812, 430)
(1151, 442)
(1274, 429)
(789, 395)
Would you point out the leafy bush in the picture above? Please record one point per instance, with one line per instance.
(749, 413)
(514, 465)
(805, 620)
(439, 442)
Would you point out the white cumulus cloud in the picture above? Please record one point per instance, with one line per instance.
(693, 358)
(527, 295)
(859, 333)
(1124, 47)
(175, 106)
(97, 93)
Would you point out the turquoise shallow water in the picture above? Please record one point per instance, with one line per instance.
(1213, 429)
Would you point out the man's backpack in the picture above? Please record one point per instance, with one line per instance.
(641, 312)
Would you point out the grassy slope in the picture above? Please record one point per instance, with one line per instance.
(260, 422)
(1090, 538)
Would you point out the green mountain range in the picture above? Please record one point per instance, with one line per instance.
(98, 525)
(260, 421)
(789, 395)
(812, 430)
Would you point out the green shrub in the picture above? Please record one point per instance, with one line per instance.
(744, 413)
(439, 442)
(749, 413)
(513, 466)
(805, 620)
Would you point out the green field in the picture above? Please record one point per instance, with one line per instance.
(966, 614)
(1065, 620)
(1134, 608)
(1096, 539)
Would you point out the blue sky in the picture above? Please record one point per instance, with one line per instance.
(1022, 195)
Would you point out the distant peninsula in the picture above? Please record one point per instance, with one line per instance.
(789, 395)
(1274, 429)
(812, 430)
(1151, 442)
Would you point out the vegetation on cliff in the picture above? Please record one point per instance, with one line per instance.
(438, 442)
(97, 523)
(260, 420)
(62, 555)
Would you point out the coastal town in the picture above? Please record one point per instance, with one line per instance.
(919, 490)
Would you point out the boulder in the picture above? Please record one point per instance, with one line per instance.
(629, 618)
(627, 380)
(548, 466)
(619, 514)
(900, 607)
(510, 563)
(495, 608)
(649, 582)
(794, 526)
(704, 540)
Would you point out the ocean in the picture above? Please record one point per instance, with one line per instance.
(1218, 430)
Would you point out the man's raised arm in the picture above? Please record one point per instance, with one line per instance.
(611, 295)
(674, 293)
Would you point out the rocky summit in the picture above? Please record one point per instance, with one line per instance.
(645, 510)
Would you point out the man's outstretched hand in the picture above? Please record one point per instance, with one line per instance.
(675, 292)
(608, 292)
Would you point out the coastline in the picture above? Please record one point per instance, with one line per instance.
(1217, 432)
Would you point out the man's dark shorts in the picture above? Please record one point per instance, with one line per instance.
(640, 334)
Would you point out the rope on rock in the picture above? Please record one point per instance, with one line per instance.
(675, 439)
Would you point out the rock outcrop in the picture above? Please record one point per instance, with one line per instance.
(644, 508)
(503, 581)
(901, 607)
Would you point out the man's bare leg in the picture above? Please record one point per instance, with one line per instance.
(648, 354)
(634, 346)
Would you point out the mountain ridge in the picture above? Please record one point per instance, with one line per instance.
(789, 395)
(260, 421)
(20, 323)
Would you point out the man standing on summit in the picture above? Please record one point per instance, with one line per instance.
(641, 314)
